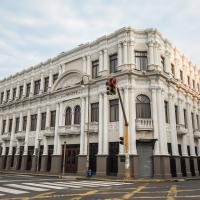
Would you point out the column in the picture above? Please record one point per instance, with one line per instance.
(48, 117)
(161, 124)
(121, 123)
(131, 53)
(4, 95)
(105, 121)
(173, 126)
(155, 122)
(11, 93)
(27, 132)
(167, 62)
(20, 121)
(190, 130)
(100, 138)
(24, 89)
(157, 54)
(195, 119)
(32, 88)
(120, 54)
(60, 70)
(50, 79)
(100, 61)
(1, 124)
(88, 65)
(105, 59)
(151, 54)
(12, 136)
(37, 129)
(84, 65)
(125, 52)
(7, 124)
(86, 122)
(61, 114)
(42, 84)
(82, 126)
(55, 150)
(17, 92)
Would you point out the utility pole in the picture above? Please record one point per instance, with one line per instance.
(111, 90)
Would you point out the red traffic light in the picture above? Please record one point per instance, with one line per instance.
(111, 86)
(113, 81)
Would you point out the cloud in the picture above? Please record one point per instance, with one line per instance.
(32, 31)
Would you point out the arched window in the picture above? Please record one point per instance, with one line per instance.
(68, 116)
(77, 115)
(143, 108)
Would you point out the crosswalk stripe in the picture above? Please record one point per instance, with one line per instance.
(65, 185)
(45, 186)
(102, 183)
(37, 189)
(12, 191)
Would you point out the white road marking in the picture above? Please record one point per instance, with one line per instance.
(25, 187)
(45, 186)
(12, 191)
(66, 185)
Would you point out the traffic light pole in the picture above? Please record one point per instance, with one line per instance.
(126, 138)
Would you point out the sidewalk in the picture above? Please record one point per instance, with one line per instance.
(114, 179)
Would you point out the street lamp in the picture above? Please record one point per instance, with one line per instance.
(88, 148)
(38, 155)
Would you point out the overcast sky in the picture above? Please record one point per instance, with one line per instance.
(32, 31)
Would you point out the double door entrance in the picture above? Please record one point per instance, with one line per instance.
(71, 158)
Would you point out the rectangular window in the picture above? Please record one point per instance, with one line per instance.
(193, 83)
(46, 84)
(7, 95)
(185, 118)
(55, 77)
(141, 60)
(10, 125)
(114, 110)
(173, 70)
(36, 87)
(192, 116)
(163, 63)
(14, 93)
(2, 94)
(169, 147)
(181, 75)
(20, 91)
(33, 122)
(43, 121)
(94, 112)
(24, 123)
(28, 89)
(53, 118)
(95, 69)
(166, 112)
(197, 116)
(4, 127)
(113, 63)
(188, 80)
(176, 114)
(17, 125)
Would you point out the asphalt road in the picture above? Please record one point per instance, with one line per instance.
(25, 187)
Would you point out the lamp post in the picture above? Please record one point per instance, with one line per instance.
(88, 148)
(38, 155)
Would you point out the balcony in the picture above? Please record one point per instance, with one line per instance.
(69, 130)
(93, 127)
(181, 130)
(20, 135)
(49, 132)
(197, 134)
(144, 124)
(5, 136)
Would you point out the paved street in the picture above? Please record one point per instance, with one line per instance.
(27, 187)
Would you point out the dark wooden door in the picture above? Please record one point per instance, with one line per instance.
(72, 152)
(29, 157)
(21, 151)
(13, 155)
(40, 157)
(92, 158)
(50, 152)
(5, 160)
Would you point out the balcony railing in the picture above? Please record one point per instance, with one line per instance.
(181, 130)
(5, 136)
(144, 124)
(20, 135)
(49, 132)
(69, 129)
(93, 127)
(197, 134)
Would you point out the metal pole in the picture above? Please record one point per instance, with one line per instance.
(64, 159)
(127, 173)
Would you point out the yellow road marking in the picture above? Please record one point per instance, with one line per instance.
(89, 193)
(130, 194)
(172, 193)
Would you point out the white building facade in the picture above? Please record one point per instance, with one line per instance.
(44, 107)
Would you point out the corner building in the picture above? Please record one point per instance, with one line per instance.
(45, 106)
